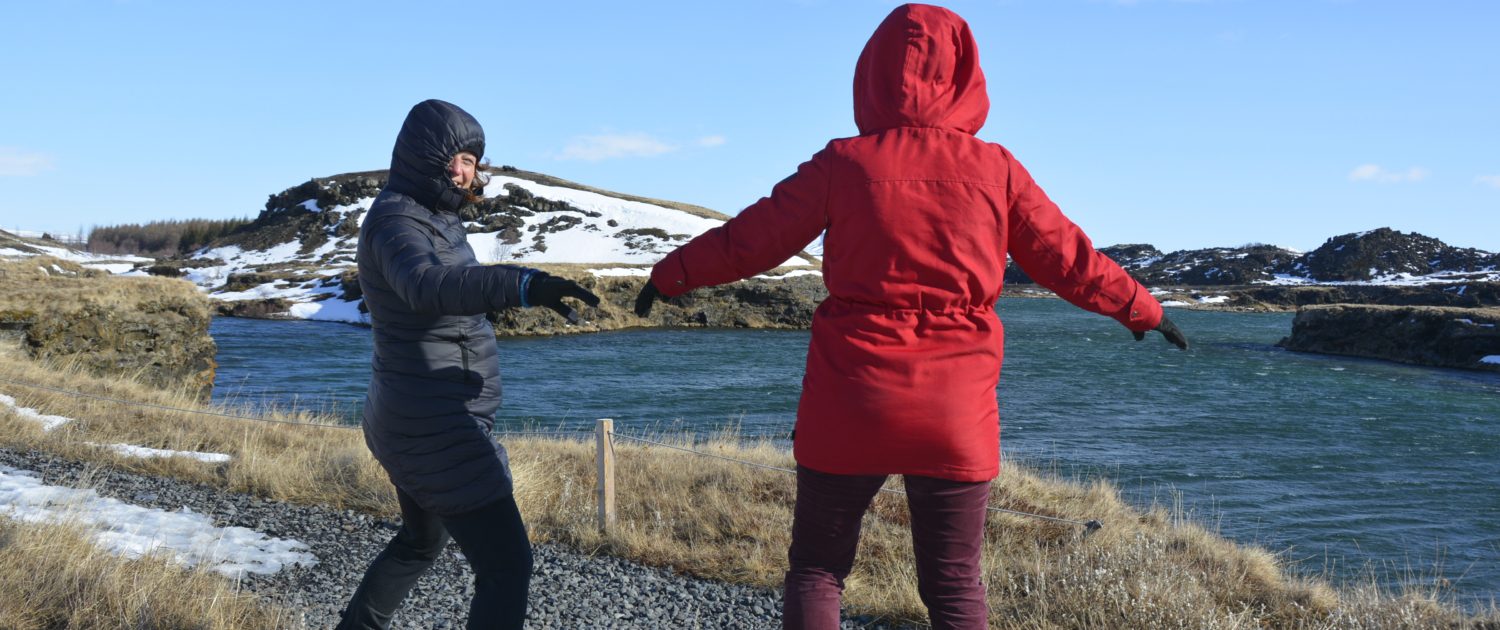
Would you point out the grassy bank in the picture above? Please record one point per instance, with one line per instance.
(1145, 569)
(154, 329)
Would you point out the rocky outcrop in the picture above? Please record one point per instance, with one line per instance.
(265, 308)
(1287, 298)
(1386, 252)
(151, 329)
(1420, 335)
(1381, 254)
(755, 303)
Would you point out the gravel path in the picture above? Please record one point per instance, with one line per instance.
(568, 589)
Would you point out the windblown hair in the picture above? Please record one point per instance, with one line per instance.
(481, 179)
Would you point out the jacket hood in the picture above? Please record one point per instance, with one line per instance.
(433, 133)
(920, 69)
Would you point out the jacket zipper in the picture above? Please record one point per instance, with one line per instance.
(463, 350)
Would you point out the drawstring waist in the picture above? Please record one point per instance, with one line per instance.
(838, 305)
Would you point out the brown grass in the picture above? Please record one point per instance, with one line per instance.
(309, 460)
(1144, 569)
(1141, 570)
(54, 577)
(32, 285)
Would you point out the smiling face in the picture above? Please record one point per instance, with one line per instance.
(462, 168)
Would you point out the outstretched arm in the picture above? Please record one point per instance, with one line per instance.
(763, 235)
(1057, 254)
(407, 258)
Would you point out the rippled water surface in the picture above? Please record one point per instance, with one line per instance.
(1344, 464)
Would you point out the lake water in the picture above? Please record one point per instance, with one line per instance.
(1346, 465)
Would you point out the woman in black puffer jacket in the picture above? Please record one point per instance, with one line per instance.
(435, 385)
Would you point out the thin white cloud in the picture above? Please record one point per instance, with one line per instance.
(1493, 181)
(15, 162)
(712, 141)
(1377, 173)
(611, 146)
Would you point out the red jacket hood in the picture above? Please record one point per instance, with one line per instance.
(920, 69)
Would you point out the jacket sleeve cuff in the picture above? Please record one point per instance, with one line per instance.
(669, 276)
(523, 285)
(1143, 313)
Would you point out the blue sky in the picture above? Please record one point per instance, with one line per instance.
(1180, 124)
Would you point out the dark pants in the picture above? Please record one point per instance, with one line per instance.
(492, 538)
(947, 532)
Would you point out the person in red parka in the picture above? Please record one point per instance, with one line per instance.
(905, 354)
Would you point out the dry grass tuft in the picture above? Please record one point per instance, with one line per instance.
(55, 577)
(312, 460)
(50, 285)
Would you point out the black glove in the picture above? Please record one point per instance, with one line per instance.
(647, 296)
(1168, 330)
(544, 289)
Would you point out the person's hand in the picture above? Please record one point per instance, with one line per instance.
(646, 298)
(1169, 330)
(547, 290)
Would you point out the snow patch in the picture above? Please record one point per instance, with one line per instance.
(186, 537)
(131, 450)
(1174, 303)
(330, 310)
(276, 289)
(1282, 279)
(622, 272)
(794, 273)
(48, 422)
(113, 268)
(1493, 359)
(1213, 299)
(83, 258)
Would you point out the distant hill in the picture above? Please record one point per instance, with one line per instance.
(1382, 256)
(14, 246)
(297, 257)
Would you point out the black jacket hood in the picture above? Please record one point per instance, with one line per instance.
(433, 133)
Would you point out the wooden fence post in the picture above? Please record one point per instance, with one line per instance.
(604, 455)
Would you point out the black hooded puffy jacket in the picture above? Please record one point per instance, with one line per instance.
(435, 385)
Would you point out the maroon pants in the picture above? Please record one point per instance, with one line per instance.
(947, 533)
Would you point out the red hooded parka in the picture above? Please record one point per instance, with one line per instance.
(905, 352)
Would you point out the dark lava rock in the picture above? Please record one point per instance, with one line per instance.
(1420, 335)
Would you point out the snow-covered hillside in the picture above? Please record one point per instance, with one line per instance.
(18, 246)
(304, 253)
